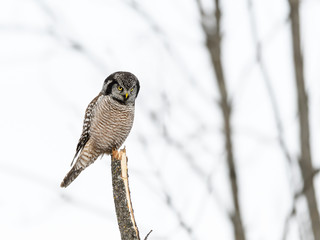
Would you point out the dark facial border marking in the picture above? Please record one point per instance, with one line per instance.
(109, 87)
(138, 87)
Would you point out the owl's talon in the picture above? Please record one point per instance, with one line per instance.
(115, 154)
(124, 150)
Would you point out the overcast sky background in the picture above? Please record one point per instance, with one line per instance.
(54, 57)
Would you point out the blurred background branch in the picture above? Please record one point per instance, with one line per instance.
(245, 182)
(211, 26)
(305, 159)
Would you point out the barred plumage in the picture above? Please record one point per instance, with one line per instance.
(108, 121)
(86, 127)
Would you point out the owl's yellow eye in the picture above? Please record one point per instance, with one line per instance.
(131, 89)
(120, 88)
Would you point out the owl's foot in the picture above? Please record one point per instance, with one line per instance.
(121, 156)
(116, 154)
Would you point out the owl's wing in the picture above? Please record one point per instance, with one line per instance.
(86, 126)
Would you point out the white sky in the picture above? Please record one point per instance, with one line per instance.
(176, 141)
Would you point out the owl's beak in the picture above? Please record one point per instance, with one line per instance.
(127, 95)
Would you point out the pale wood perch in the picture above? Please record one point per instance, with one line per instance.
(121, 195)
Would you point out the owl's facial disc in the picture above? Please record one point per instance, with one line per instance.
(123, 93)
(123, 87)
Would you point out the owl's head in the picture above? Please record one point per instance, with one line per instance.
(122, 87)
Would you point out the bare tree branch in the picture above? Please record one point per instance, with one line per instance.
(276, 112)
(168, 200)
(287, 222)
(66, 40)
(213, 43)
(303, 110)
(167, 197)
(270, 89)
(122, 199)
(307, 183)
(166, 42)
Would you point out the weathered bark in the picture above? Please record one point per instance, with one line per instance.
(213, 43)
(121, 194)
(305, 157)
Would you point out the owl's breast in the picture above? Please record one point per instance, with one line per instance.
(111, 124)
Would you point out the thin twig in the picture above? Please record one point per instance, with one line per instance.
(168, 200)
(287, 221)
(166, 42)
(66, 40)
(148, 235)
(267, 81)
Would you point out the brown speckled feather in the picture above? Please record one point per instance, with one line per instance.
(86, 126)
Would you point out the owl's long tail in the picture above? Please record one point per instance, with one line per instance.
(72, 175)
(87, 156)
